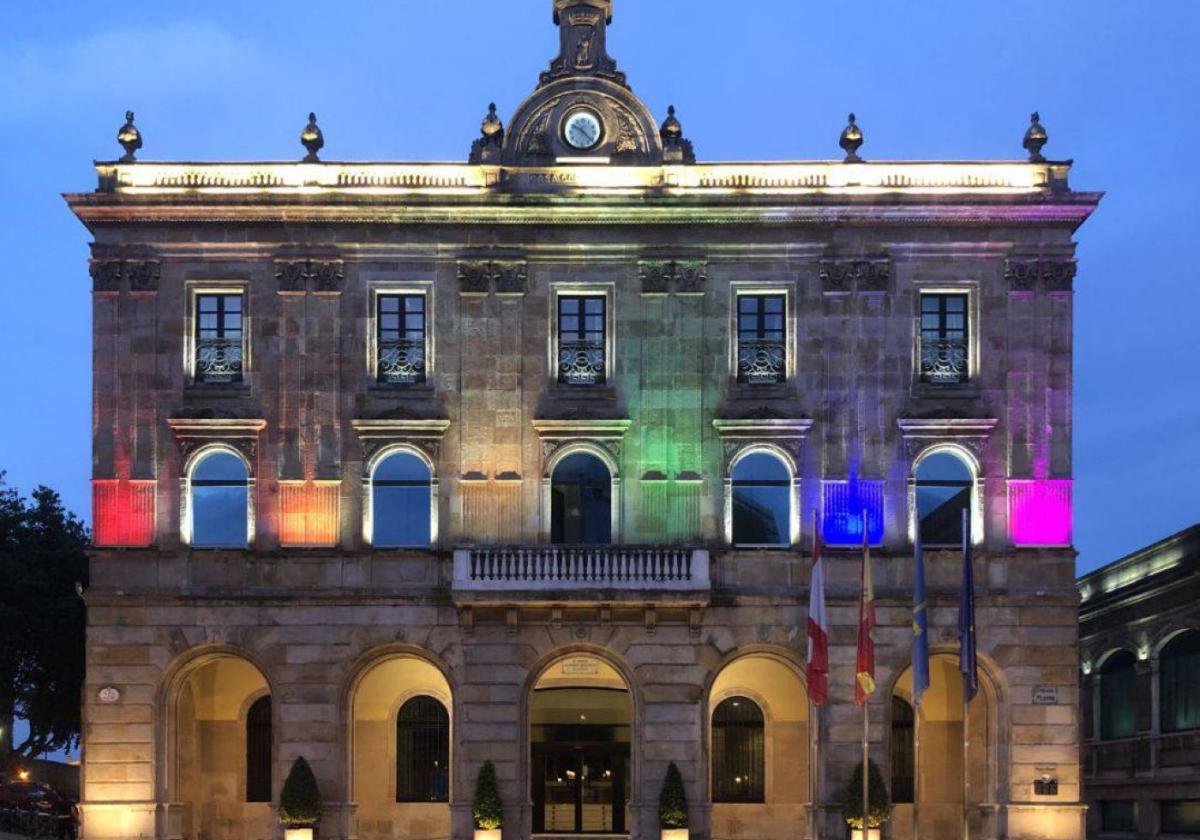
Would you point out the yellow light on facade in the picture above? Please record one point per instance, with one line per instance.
(23, 775)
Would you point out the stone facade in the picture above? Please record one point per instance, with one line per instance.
(338, 633)
(1138, 614)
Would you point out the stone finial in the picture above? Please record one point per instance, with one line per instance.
(851, 141)
(312, 139)
(1035, 138)
(129, 138)
(486, 149)
(676, 148)
(492, 125)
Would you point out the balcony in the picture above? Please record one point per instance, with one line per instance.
(219, 360)
(581, 573)
(1142, 755)
(402, 361)
(944, 361)
(762, 362)
(581, 362)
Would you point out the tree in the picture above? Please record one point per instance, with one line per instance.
(43, 561)
(486, 806)
(300, 799)
(672, 802)
(879, 805)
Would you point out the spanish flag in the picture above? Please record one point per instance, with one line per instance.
(864, 685)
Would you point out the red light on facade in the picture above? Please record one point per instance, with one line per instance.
(308, 513)
(123, 513)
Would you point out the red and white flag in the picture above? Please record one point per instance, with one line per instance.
(818, 627)
(864, 665)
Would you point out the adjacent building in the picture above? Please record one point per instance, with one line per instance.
(1139, 637)
(405, 467)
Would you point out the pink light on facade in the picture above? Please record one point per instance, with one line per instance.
(123, 513)
(1040, 512)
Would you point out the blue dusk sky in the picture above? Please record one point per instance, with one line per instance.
(1117, 84)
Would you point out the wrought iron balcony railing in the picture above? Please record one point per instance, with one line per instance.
(581, 362)
(402, 361)
(563, 570)
(944, 361)
(762, 362)
(219, 360)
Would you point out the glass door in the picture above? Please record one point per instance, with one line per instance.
(580, 790)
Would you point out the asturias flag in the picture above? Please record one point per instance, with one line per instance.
(967, 664)
(818, 628)
(920, 646)
(864, 685)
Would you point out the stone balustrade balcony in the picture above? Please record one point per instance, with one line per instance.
(530, 574)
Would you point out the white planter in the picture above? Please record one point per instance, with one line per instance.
(674, 834)
(872, 834)
(298, 834)
(487, 834)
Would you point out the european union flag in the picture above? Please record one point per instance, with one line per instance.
(967, 665)
(920, 626)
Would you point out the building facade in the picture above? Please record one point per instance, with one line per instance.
(1139, 638)
(403, 468)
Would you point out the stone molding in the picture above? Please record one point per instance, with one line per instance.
(504, 278)
(609, 435)
(238, 433)
(681, 277)
(111, 274)
(376, 435)
(303, 275)
(1033, 275)
(865, 276)
(972, 433)
(737, 435)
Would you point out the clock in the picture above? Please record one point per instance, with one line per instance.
(582, 130)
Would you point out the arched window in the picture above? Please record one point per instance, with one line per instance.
(903, 754)
(423, 751)
(944, 486)
(401, 496)
(762, 501)
(1179, 683)
(220, 497)
(581, 501)
(1118, 696)
(738, 760)
(258, 751)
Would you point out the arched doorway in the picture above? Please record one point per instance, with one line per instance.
(401, 763)
(580, 732)
(758, 749)
(938, 723)
(581, 501)
(223, 751)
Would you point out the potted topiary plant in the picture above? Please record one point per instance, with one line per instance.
(487, 807)
(672, 806)
(879, 806)
(300, 802)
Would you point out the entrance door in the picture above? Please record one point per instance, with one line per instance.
(579, 789)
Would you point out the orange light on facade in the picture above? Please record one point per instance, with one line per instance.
(309, 513)
(23, 775)
(123, 513)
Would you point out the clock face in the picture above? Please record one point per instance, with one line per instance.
(582, 130)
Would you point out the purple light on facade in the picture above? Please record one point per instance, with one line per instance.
(1040, 512)
(843, 503)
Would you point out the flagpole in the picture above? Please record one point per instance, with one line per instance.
(966, 811)
(916, 812)
(814, 736)
(866, 731)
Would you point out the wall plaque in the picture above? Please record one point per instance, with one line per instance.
(580, 667)
(1045, 695)
(108, 694)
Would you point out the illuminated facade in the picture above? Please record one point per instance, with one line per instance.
(405, 467)
(1139, 640)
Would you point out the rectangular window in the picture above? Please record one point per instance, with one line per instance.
(945, 348)
(400, 340)
(219, 338)
(762, 339)
(1118, 815)
(581, 340)
(1180, 816)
